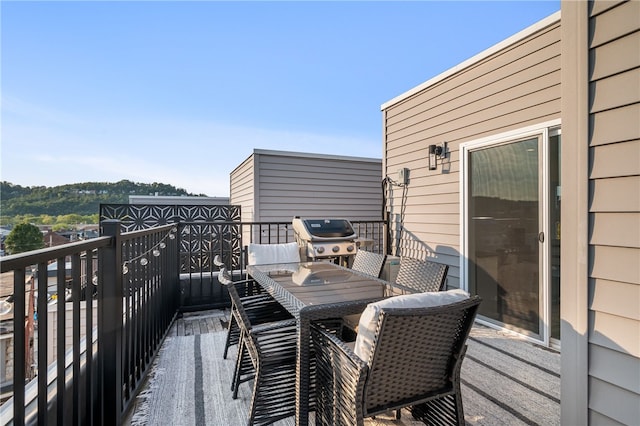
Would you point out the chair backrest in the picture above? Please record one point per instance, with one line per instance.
(368, 263)
(417, 352)
(422, 275)
(265, 254)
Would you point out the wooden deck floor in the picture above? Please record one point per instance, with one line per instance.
(506, 380)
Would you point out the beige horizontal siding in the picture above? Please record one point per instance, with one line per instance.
(454, 132)
(619, 55)
(615, 332)
(477, 114)
(615, 298)
(613, 402)
(616, 229)
(618, 90)
(626, 376)
(515, 83)
(615, 23)
(615, 263)
(616, 125)
(620, 194)
(599, 6)
(438, 243)
(613, 160)
(614, 205)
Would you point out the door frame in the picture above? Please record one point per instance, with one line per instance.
(541, 130)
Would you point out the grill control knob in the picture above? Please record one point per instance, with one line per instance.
(320, 250)
(336, 249)
(349, 248)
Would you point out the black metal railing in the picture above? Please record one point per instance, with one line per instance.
(119, 290)
(121, 293)
(201, 241)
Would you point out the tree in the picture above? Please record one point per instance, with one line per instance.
(71, 218)
(24, 237)
(46, 219)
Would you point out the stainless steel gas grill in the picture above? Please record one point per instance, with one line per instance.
(325, 238)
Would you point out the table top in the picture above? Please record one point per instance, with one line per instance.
(308, 285)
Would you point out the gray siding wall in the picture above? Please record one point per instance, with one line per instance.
(614, 213)
(242, 184)
(511, 88)
(292, 184)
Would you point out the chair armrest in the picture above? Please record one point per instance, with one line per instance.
(323, 340)
(276, 325)
(340, 376)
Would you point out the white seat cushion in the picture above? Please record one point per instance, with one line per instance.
(265, 254)
(369, 318)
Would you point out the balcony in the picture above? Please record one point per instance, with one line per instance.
(136, 303)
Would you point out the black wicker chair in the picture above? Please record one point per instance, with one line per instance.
(368, 263)
(266, 354)
(414, 362)
(260, 306)
(414, 275)
(422, 275)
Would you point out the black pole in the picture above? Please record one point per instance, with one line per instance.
(110, 323)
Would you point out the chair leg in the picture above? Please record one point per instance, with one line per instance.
(254, 396)
(233, 332)
(245, 367)
(240, 360)
(235, 383)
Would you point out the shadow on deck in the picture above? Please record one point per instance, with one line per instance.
(505, 380)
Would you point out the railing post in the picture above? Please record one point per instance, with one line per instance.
(110, 324)
(386, 227)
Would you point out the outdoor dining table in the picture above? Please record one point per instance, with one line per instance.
(313, 291)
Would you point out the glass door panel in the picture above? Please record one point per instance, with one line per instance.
(503, 233)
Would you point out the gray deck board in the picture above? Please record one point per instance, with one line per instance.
(506, 380)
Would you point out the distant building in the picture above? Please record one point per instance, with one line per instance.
(53, 239)
(178, 200)
(273, 186)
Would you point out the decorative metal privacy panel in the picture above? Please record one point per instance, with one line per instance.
(204, 231)
(143, 216)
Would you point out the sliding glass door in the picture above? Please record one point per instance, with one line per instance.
(512, 202)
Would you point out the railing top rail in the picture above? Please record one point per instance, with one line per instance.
(236, 222)
(230, 222)
(148, 231)
(22, 260)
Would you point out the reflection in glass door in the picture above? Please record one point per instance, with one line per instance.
(504, 223)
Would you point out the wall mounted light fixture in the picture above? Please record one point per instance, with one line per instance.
(436, 151)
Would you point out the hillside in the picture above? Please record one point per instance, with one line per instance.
(79, 198)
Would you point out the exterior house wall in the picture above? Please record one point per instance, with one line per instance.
(52, 330)
(597, 99)
(601, 364)
(242, 183)
(510, 86)
(278, 185)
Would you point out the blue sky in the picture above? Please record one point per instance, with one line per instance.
(182, 92)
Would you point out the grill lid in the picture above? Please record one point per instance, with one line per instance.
(323, 229)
